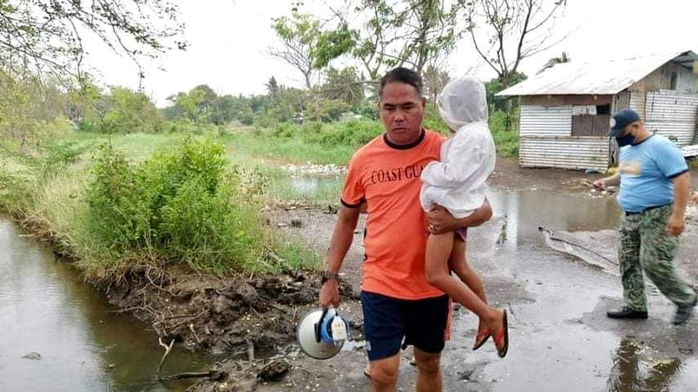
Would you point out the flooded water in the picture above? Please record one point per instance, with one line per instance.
(83, 344)
(313, 190)
(524, 211)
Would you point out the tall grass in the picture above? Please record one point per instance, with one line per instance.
(185, 204)
(505, 133)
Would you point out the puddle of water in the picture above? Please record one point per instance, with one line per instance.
(524, 211)
(314, 190)
(633, 371)
(84, 345)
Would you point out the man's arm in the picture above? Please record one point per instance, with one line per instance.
(676, 223)
(441, 221)
(342, 236)
(604, 183)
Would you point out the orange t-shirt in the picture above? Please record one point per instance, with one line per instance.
(386, 176)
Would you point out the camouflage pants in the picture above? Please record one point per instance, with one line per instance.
(646, 246)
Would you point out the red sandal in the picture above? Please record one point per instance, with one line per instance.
(481, 339)
(501, 338)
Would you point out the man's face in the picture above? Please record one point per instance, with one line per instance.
(632, 129)
(401, 110)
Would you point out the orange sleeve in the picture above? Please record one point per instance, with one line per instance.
(353, 192)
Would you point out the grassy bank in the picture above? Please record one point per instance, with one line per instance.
(155, 199)
(146, 200)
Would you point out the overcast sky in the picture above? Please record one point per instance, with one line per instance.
(228, 40)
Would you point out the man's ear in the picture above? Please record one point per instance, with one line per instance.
(424, 102)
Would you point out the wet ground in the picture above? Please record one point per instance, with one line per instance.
(560, 336)
(58, 333)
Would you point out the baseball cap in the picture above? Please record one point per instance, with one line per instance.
(620, 120)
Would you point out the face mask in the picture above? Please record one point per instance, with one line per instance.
(625, 140)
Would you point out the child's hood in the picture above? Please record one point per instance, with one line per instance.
(463, 101)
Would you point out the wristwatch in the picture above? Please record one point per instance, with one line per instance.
(327, 275)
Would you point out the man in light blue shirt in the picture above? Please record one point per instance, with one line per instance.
(654, 190)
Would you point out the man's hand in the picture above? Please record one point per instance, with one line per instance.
(329, 294)
(600, 184)
(675, 225)
(440, 220)
(342, 236)
(604, 183)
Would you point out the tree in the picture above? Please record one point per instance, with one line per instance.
(398, 33)
(434, 81)
(514, 30)
(272, 88)
(47, 35)
(494, 86)
(290, 102)
(189, 105)
(130, 112)
(298, 35)
(200, 104)
(345, 85)
(85, 102)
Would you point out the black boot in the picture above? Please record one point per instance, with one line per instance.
(627, 312)
(684, 312)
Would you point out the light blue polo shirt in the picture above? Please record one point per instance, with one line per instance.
(646, 173)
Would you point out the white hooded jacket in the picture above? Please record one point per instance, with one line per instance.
(457, 182)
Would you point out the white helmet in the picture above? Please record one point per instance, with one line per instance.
(321, 333)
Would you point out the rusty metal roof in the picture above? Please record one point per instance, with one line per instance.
(605, 77)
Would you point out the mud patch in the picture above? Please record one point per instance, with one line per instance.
(239, 317)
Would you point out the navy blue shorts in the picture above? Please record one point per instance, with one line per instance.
(422, 323)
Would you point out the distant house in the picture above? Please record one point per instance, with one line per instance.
(566, 110)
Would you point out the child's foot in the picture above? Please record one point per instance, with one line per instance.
(499, 329)
(482, 335)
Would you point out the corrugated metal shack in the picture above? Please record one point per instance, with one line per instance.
(566, 110)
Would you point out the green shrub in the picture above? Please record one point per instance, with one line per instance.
(505, 133)
(13, 192)
(56, 156)
(189, 127)
(351, 132)
(432, 120)
(119, 209)
(130, 112)
(179, 207)
(368, 110)
(328, 110)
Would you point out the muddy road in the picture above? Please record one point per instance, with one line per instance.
(560, 336)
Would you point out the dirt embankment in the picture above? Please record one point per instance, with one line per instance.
(243, 319)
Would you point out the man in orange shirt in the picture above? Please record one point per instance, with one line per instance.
(398, 303)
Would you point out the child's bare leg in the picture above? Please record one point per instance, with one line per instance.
(439, 249)
(466, 273)
(469, 276)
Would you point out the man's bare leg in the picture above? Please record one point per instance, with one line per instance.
(384, 374)
(428, 371)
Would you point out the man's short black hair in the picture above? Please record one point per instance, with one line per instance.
(401, 75)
